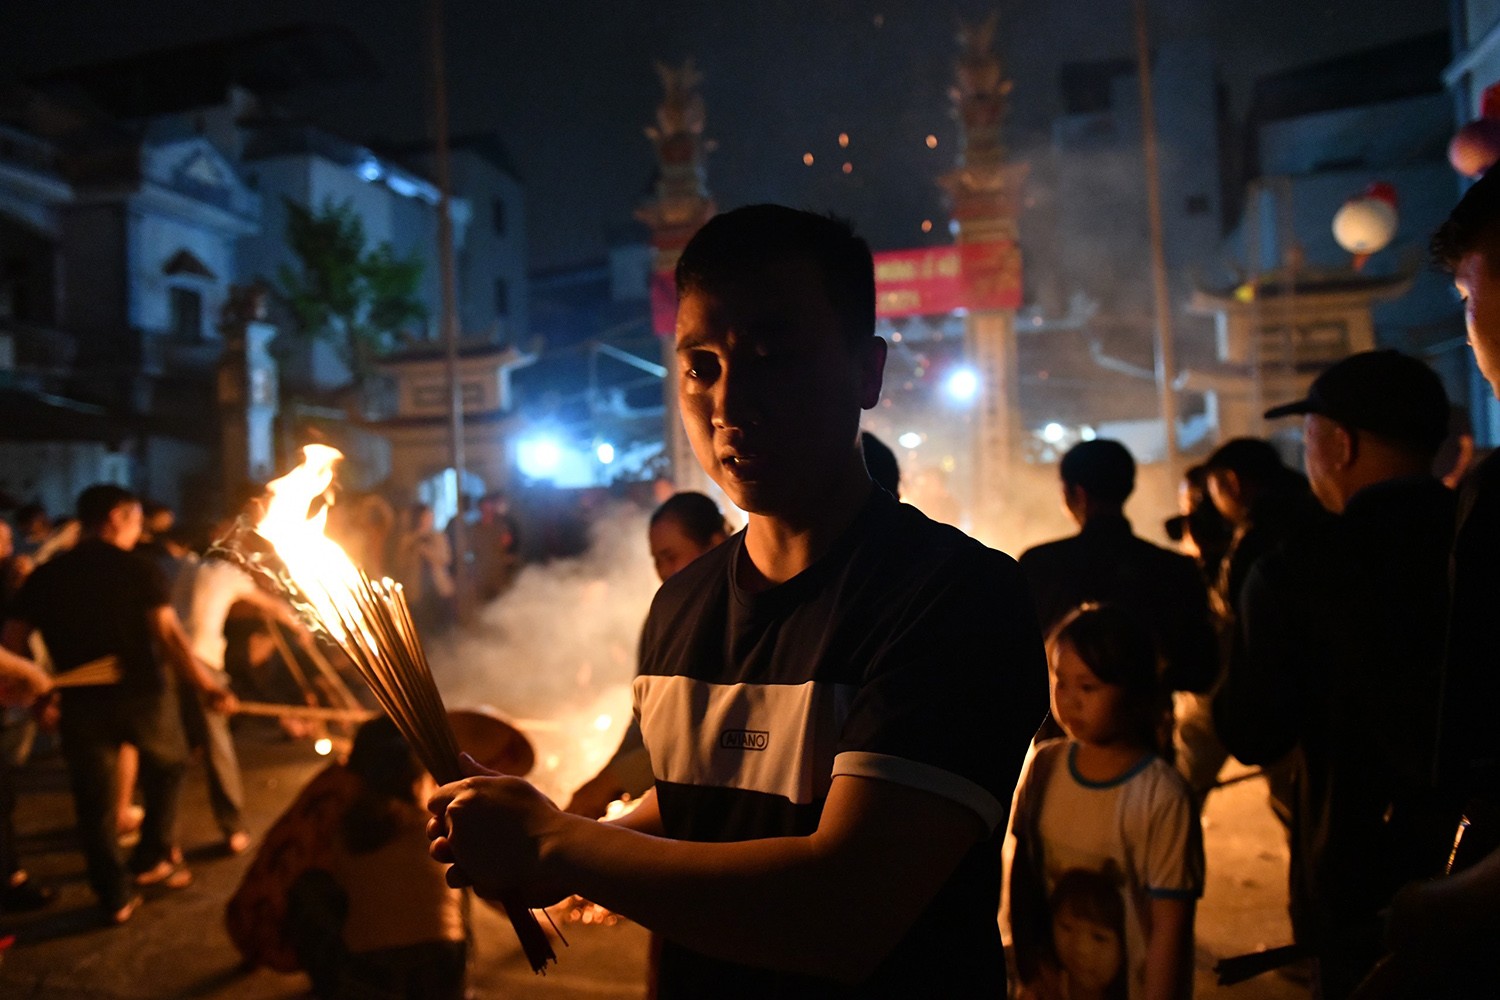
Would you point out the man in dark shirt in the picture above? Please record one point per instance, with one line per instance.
(1341, 640)
(836, 701)
(1443, 931)
(1107, 564)
(101, 603)
(1266, 503)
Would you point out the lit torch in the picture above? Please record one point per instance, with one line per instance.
(369, 620)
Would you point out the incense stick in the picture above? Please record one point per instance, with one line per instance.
(316, 713)
(370, 621)
(105, 670)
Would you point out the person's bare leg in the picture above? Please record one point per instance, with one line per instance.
(127, 813)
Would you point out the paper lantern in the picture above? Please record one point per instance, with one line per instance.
(1366, 223)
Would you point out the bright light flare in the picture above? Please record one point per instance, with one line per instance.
(910, 439)
(962, 385)
(323, 747)
(1054, 432)
(603, 723)
(539, 457)
(605, 453)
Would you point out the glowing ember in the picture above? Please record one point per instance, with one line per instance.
(324, 747)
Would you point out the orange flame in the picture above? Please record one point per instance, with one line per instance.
(321, 570)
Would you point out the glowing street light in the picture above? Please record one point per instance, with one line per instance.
(538, 457)
(963, 385)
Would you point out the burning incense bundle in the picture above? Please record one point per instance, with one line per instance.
(368, 619)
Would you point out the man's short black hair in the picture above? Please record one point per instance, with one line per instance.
(1474, 224)
(748, 238)
(1101, 468)
(696, 514)
(96, 503)
(881, 463)
(1251, 459)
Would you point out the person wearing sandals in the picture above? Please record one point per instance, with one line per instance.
(99, 602)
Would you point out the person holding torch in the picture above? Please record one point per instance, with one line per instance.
(836, 702)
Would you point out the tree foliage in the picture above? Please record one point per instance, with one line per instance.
(361, 301)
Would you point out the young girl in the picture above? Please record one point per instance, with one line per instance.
(1101, 808)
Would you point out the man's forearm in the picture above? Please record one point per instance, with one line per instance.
(831, 904)
(174, 645)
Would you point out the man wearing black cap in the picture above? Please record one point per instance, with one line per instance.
(1339, 652)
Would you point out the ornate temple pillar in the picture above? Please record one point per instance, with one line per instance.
(983, 189)
(679, 206)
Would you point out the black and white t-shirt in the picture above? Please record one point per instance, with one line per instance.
(909, 653)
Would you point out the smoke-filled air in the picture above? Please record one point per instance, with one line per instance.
(556, 654)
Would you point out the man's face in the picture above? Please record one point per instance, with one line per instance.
(1327, 451)
(127, 521)
(769, 388)
(1480, 288)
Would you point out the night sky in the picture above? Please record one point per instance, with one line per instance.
(570, 85)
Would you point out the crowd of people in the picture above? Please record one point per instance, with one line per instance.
(840, 703)
(860, 734)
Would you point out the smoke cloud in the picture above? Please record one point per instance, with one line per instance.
(557, 652)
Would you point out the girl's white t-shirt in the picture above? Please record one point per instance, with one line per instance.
(1102, 851)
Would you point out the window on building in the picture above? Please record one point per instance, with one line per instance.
(502, 297)
(187, 314)
(497, 216)
(1087, 87)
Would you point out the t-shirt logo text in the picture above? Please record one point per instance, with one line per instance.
(744, 739)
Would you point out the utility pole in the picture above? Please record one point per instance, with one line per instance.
(1166, 363)
(449, 320)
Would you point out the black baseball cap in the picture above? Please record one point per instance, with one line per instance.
(1384, 392)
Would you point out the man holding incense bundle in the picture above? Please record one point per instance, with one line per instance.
(100, 603)
(836, 702)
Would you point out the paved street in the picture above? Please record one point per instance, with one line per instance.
(176, 946)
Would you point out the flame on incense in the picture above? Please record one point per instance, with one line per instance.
(320, 569)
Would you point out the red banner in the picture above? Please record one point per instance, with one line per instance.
(663, 303)
(972, 276)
